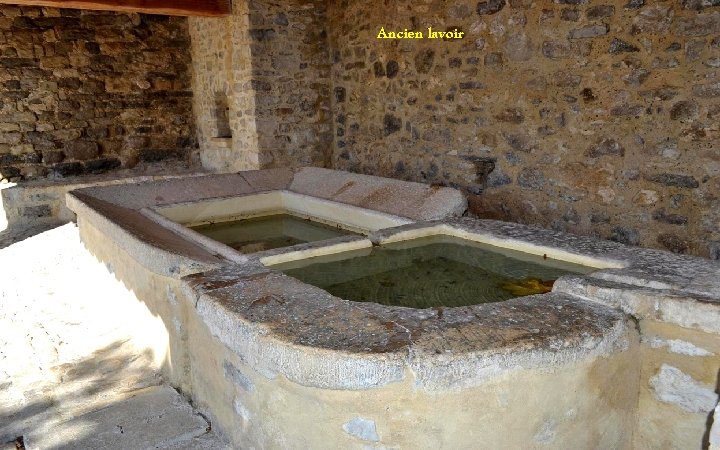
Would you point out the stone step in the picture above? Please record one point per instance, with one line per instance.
(153, 418)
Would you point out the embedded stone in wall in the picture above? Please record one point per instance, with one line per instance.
(707, 90)
(620, 46)
(606, 147)
(670, 179)
(490, 7)
(673, 242)
(673, 386)
(684, 110)
(715, 250)
(590, 31)
(362, 428)
(531, 178)
(698, 25)
(424, 60)
(625, 235)
(599, 12)
(391, 124)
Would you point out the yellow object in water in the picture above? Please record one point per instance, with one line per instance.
(527, 286)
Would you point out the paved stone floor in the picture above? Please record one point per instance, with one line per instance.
(71, 375)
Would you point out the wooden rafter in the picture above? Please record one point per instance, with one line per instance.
(212, 8)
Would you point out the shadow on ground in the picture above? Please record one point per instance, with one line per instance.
(13, 234)
(105, 377)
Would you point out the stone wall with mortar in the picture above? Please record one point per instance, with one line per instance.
(262, 86)
(594, 117)
(85, 92)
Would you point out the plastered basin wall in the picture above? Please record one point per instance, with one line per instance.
(309, 370)
(591, 404)
(678, 386)
(258, 408)
(162, 297)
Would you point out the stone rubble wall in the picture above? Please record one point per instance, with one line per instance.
(593, 117)
(87, 92)
(271, 62)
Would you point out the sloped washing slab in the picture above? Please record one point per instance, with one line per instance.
(150, 217)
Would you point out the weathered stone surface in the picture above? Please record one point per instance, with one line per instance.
(511, 115)
(637, 76)
(673, 386)
(362, 428)
(590, 31)
(670, 179)
(519, 142)
(531, 178)
(519, 47)
(620, 46)
(698, 25)
(684, 110)
(392, 68)
(102, 165)
(694, 48)
(566, 79)
(493, 59)
(655, 19)
(599, 11)
(490, 7)
(674, 219)
(634, 4)
(715, 250)
(699, 5)
(625, 235)
(673, 242)
(570, 14)
(391, 124)
(36, 211)
(81, 150)
(606, 147)
(556, 50)
(67, 169)
(707, 90)
(424, 60)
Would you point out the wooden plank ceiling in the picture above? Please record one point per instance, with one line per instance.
(211, 8)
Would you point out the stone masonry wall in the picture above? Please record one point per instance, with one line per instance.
(594, 117)
(221, 76)
(85, 92)
(266, 67)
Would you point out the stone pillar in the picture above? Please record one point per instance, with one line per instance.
(269, 64)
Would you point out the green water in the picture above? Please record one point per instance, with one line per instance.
(268, 232)
(431, 272)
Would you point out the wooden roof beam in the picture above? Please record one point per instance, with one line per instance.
(208, 8)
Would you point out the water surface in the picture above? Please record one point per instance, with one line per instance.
(268, 232)
(431, 272)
